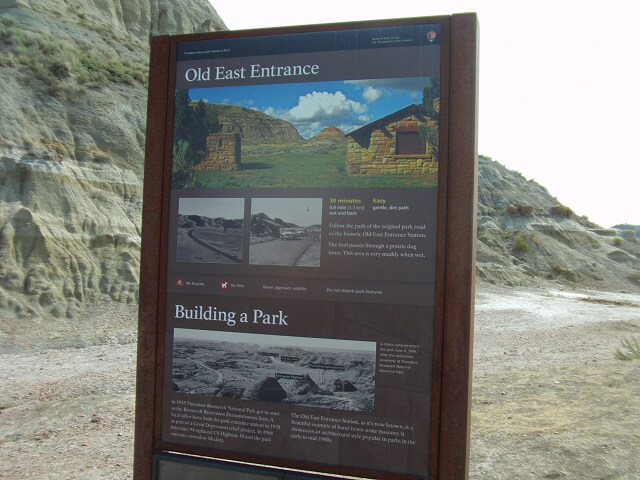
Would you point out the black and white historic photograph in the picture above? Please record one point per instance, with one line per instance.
(285, 231)
(314, 372)
(210, 230)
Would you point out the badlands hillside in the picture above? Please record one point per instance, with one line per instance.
(71, 161)
(525, 237)
(72, 142)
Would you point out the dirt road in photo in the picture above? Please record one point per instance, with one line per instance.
(283, 252)
(209, 245)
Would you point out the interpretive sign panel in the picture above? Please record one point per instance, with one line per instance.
(298, 317)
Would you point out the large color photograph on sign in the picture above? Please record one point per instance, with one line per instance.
(302, 247)
(360, 133)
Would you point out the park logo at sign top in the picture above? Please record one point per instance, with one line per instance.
(304, 308)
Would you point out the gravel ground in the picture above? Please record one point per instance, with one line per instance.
(68, 414)
(550, 400)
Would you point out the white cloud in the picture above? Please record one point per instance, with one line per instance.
(373, 90)
(316, 110)
(372, 94)
(324, 106)
(272, 112)
(309, 129)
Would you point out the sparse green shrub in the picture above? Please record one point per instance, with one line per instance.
(102, 157)
(521, 244)
(56, 90)
(60, 69)
(51, 59)
(635, 277)
(7, 21)
(119, 72)
(564, 272)
(83, 77)
(520, 210)
(91, 71)
(630, 349)
(617, 241)
(604, 232)
(8, 59)
(8, 33)
(133, 44)
(181, 168)
(561, 211)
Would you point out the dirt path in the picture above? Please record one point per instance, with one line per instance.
(550, 400)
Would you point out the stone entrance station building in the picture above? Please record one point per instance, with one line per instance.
(393, 144)
(223, 152)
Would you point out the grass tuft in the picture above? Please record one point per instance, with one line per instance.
(562, 271)
(521, 244)
(523, 210)
(630, 349)
(561, 211)
(51, 60)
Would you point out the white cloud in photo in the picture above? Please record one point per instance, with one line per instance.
(373, 90)
(272, 112)
(316, 106)
(316, 110)
(348, 127)
(372, 94)
(308, 129)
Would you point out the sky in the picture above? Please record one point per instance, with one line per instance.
(301, 212)
(273, 340)
(229, 208)
(559, 97)
(312, 106)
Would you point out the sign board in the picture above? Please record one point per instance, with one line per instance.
(308, 250)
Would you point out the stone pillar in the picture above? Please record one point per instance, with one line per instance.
(223, 152)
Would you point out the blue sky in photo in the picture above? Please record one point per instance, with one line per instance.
(312, 106)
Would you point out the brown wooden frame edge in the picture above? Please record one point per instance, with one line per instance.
(462, 193)
(150, 259)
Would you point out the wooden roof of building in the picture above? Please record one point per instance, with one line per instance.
(381, 122)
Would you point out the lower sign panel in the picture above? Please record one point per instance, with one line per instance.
(353, 394)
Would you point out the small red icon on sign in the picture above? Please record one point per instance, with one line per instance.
(224, 285)
(180, 282)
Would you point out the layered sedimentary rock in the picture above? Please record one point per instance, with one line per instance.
(72, 145)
